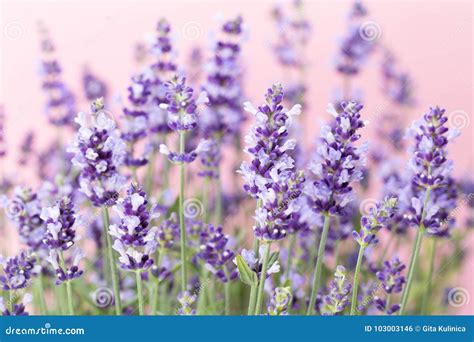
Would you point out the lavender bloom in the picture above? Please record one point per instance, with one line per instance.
(187, 300)
(94, 87)
(396, 85)
(392, 280)
(223, 114)
(66, 268)
(339, 290)
(431, 170)
(98, 153)
(280, 301)
(338, 162)
(168, 232)
(182, 118)
(271, 175)
(24, 210)
(135, 241)
(215, 252)
(256, 264)
(18, 271)
(18, 309)
(210, 160)
(374, 221)
(60, 106)
(26, 148)
(59, 221)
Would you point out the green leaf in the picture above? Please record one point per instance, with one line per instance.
(246, 274)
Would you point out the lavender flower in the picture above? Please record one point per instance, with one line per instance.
(338, 297)
(338, 161)
(60, 106)
(271, 176)
(168, 232)
(210, 160)
(26, 148)
(94, 87)
(397, 85)
(66, 268)
(392, 281)
(182, 110)
(256, 264)
(98, 153)
(280, 301)
(372, 223)
(135, 241)
(59, 221)
(18, 271)
(186, 300)
(215, 252)
(18, 309)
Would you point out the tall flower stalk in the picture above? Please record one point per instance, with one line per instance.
(337, 163)
(182, 108)
(370, 225)
(431, 170)
(98, 153)
(271, 177)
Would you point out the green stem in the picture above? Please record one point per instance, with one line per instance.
(263, 276)
(150, 175)
(355, 287)
(219, 210)
(11, 295)
(40, 294)
(252, 300)
(414, 257)
(227, 292)
(427, 293)
(138, 278)
(156, 294)
(205, 200)
(289, 259)
(319, 264)
(68, 286)
(203, 282)
(182, 170)
(112, 264)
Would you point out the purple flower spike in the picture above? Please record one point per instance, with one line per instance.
(280, 301)
(374, 221)
(339, 290)
(135, 241)
(392, 279)
(59, 221)
(94, 87)
(338, 162)
(186, 300)
(271, 176)
(18, 271)
(98, 153)
(168, 232)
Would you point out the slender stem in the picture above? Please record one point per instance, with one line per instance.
(355, 287)
(203, 282)
(156, 294)
(319, 264)
(388, 302)
(182, 174)
(289, 258)
(138, 277)
(263, 276)
(252, 300)
(40, 294)
(150, 175)
(219, 209)
(427, 293)
(11, 300)
(205, 200)
(227, 292)
(68, 286)
(112, 264)
(414, 256)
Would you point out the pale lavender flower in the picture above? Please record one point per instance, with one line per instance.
(186, 300)
(280, 301)
(391, 276)
(18, 271)
(338, 297)
(93, 86)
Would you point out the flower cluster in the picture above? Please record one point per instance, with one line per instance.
(271, 176)
(17, 309)
(60, 106)
(215, 253)
(396, 85)
(374, 221)
(182, 116)
(18, 271)
(98, 153)
(256, 264)
(59, 221)
(338, 162)
(168, 232)
(280, 301)
(186, 300)
(94, 87)
(392, 281)
(135, 241)
(338, 297)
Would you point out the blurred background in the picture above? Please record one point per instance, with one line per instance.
(431, 41)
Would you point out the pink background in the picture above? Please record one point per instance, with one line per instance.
(432, 40)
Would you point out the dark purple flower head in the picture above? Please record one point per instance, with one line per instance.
(214, 250)
(135, 241)
(66, 268)
(98, 153)
(374, 221)
(338, 297)
(59, 220)
(18, 271)
(338, 162)
(391, 275)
